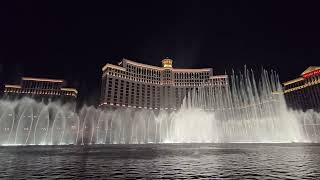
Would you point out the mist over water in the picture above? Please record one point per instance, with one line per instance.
(247, 109)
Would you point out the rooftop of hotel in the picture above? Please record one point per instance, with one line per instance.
(167, 63)
(310, 71)
(42, 79)
(18, 86)
(293, 81)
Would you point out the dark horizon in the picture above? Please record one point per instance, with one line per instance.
(72, 41)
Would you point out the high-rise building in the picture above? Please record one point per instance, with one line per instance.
(41, 88)
(137, 85)
(303, 93)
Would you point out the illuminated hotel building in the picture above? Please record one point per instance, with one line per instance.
(303, 93)
(41, 88)
(137, 85)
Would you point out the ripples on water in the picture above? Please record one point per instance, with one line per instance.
(167, 161)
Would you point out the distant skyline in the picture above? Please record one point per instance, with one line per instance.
(73, 40)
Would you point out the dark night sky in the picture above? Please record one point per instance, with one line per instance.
(73, 40)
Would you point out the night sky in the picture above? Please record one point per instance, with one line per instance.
(73, 40)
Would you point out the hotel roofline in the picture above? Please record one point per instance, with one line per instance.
(310, 71)
(19, 88)
(153, 67)
(308, 78)
(42, 79)
(70, 89)
(293, 81)
(12, 86)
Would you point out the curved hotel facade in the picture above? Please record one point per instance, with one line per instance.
(137, 85)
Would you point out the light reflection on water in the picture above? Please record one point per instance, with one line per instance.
(155, 161)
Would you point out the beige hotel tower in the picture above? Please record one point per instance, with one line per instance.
(136, 85)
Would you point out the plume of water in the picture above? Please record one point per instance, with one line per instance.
(246, 109)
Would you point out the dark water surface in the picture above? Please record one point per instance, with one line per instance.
(166, 161)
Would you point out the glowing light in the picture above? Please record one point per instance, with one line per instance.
(12, 86)
(311, 73)
(167, 63)
(70, 89)
(42, 79)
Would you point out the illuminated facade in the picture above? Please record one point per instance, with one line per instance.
(40, 88)
(303, 93)
(137, 85)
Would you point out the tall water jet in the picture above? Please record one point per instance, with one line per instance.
(246, 109)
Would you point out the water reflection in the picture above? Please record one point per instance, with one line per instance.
(272, 161)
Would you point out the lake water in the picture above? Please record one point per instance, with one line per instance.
(162, 161)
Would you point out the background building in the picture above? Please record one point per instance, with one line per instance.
(41, 89)
(137, 85)
(303, 93)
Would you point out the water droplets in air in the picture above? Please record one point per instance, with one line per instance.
(247, 109)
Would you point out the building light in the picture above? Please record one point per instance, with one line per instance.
(12, 86)
(311, 73)
(42, 79)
